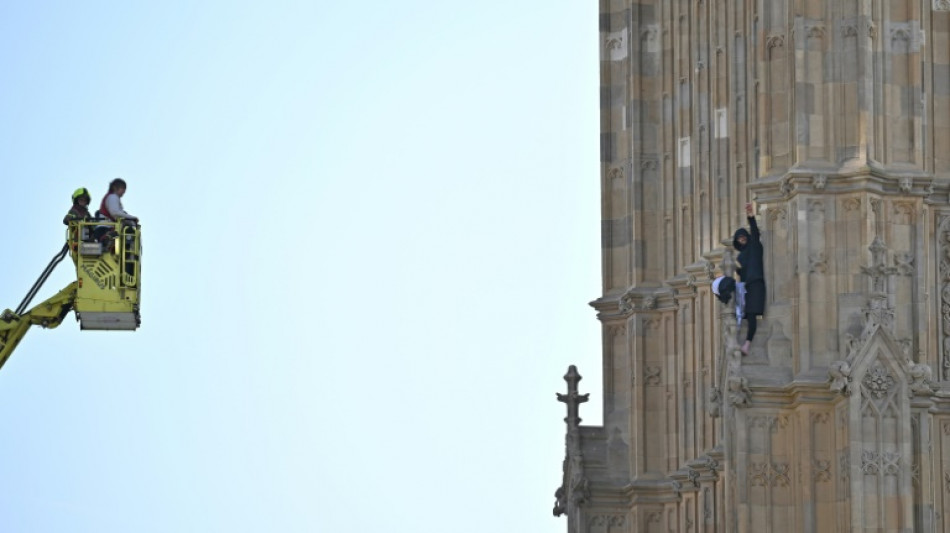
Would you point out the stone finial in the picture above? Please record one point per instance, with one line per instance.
(572, 398)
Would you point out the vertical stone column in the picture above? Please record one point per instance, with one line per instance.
(834, 116)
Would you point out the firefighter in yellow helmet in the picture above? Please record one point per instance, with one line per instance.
(79, 212)
(80, 209)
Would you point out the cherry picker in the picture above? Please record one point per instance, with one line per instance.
(105, 295)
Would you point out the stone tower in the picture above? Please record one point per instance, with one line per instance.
(833, 116)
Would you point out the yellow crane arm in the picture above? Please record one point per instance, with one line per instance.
(47, 314)
(105, 295)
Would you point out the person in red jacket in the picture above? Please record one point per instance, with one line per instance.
(111, 206)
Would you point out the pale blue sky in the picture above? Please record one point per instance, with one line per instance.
(371, 231)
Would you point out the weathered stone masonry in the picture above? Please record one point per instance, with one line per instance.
(834, 117)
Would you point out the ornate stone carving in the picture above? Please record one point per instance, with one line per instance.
(651, 375)
(769, 422)
(819, 181)
(817, 262)
(944, 273)
(560, 501)
(739, 393)
(815, 31)
(941, 5)
(879, 313)
(573, 398)
(631, 301)
(615, 173)
(579, 488)
(844, 468)
(616, 44)
(878, 271)
(906, 185)
(921, 378)
(786, 187)
(625, 302)
(776, 40)
(904, 263)
(649, 302)
(852, 204)
(649, 34)
(822, 470)
(677, 488)
(904, 213)
(575, 488)
(849, 30)
(840, 375)
(693, 476)
(616, 330)
(901, 34)
(769, 474)
(885, 464)
(617, 520)
(878, 381)
(777, 215)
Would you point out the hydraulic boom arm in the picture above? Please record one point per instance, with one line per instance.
(105, 295)
(48, 314)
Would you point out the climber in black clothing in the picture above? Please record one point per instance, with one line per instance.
(751, 271)
(750, 292)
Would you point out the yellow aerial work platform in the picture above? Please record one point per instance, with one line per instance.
(105, 295)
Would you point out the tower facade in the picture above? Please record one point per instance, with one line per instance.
(833, 117)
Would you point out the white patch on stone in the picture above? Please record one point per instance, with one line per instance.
(683, 158)
(721, 127)
(649, 38)
(616, 45)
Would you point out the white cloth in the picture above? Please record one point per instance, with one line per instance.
(114, 205)
(715, 285)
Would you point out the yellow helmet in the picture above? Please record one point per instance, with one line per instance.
(79, 193)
